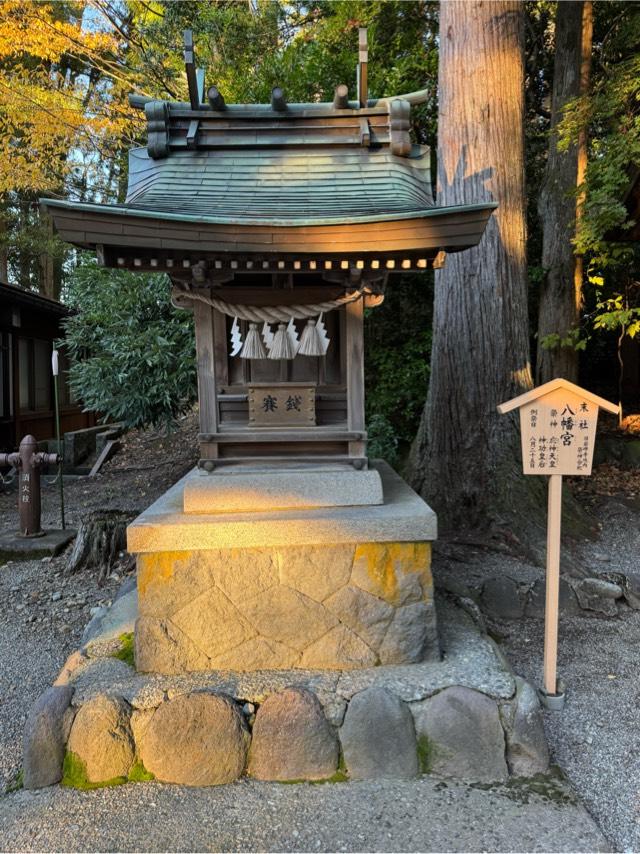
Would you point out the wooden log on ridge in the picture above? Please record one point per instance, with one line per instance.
(341, 97)
(215, 98)
(278, 101)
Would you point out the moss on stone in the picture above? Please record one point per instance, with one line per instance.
(425, 754)
(16, 784)
(126, 652)
(139, 774)
(74, 774)
(551, 787)
(341, 776)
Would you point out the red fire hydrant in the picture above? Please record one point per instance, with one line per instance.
(28, 462)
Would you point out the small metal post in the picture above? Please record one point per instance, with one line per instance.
(56, 392)
(28, 462)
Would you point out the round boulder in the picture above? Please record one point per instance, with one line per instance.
(196, 740)
(101, 738)
(464, 735)
(292, 739)
(527, 748)
(45, 735)
(378, 737)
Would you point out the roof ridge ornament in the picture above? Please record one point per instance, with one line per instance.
(362, 70)
(278, 101)
(341, 97)
(216, 99)
(157, 115)
(195, 76)
(399, 127)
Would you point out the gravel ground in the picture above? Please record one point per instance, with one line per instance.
(596, 739)
(38, 631)
(422, 815)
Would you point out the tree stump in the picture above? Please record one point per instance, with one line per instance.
(101, 537)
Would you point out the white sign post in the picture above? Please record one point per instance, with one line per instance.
(558, 423)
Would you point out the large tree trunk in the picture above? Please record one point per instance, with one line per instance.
(4, 255)
(558, 206)
(466, 458)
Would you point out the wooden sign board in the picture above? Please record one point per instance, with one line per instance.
(282, 405)
(558, 424)
(558, 432)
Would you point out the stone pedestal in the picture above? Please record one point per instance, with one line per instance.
(305, 587)
(249, 489)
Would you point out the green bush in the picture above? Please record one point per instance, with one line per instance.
(397, 357)
(383, 441)
(132, 353)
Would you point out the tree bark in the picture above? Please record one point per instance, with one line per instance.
(101, 538)
(558, 205)
(47, 281)
(466, 459)
(4, 255)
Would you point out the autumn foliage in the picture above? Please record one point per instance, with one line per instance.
(61, 102)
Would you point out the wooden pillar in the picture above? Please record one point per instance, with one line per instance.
(554, 521)
(221, 356)
(205, 348)
(355, 375)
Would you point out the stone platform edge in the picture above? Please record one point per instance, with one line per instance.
(404, 517)
(228, 489)
(466, 717)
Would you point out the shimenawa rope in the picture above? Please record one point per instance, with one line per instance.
(269, 313)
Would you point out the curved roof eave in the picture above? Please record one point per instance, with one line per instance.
(130, 211)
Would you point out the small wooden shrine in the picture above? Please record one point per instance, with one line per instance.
(279, 224)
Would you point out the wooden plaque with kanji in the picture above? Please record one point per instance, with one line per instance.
(284, 405)
(558, 432)
(558, 424)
